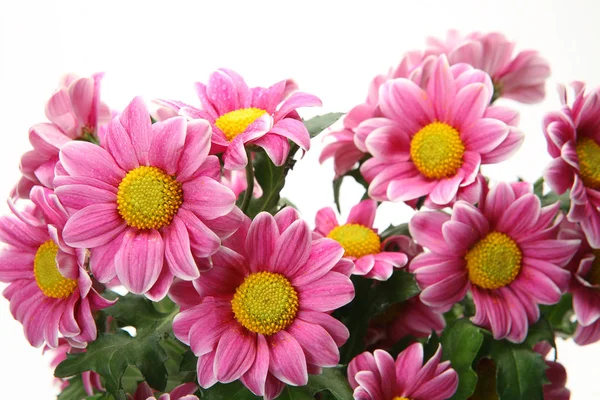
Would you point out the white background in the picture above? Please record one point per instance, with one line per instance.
(332, 49)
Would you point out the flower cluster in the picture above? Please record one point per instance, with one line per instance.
(150, 252)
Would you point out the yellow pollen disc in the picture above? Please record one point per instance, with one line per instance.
(265, 303)
(437, 150)
(48, 278)
(593, 276)
(400, 398)
(235, 122)
(494, 262)
(588, 152)
(148, 198)
(357, 240)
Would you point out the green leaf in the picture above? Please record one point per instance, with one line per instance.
(111, 354)
(401, 286)
(540, 331)
(271, 179)
(295, 393)
(189, 362)
(559, 315)
(461, 342)
(392, 230)
(231, 391)
(521, 372)
(332, 380)
(319, 123)
(337, 185)
(75, 390)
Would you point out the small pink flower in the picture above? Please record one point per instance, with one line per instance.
(360, 241)
(432, 142)
(49, 290)
(505, 251)
(376, 376)
(74, 112)
(92, 382)
(146, 202)
(262, 314)
(556, 374)
(573, 141)
(236, 181)
(521, 77)
(584, 286)
(182, 392)
(241, 116)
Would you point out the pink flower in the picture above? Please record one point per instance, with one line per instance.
(573, 142)
(505, 251)
(74, 112)
(49, 290)
(241, 116)
(360, 240)
(375, 376)
(146, 202)
(182, 392)
(432, 142)
(263, 312)
(556, 374)
(236, 181)
(521, 77)
(91, 381)
(584, 286)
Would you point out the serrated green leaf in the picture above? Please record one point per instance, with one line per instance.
(559, 315)
(74, 391)
(271, 179)
(337, 185)
(319, 123)
(392, 230)
(521, 372)
(332, 380)
(540, 331)
(111, 354)
(231, 391)
(189, 362)
(461, 341)
(401, 286)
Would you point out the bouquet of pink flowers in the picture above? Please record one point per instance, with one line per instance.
(150, 251)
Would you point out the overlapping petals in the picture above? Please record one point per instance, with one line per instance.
(555, 373)
(279, 247)
(376, 376)
(536, 258)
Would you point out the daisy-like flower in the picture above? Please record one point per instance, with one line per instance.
(432, 142)
(263, 311)
(505, 251)
(92, 382)
(74, 112)
(584, 286)
(376, 376)
(521, 77)
(147, 202)
(574, 144)
(182, 392)
(241, 116)
(555, 373)
(49, 291)
(360, 240)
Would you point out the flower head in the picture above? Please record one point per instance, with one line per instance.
(146, 202)
(574, 144)
(521, 77)
(49, 290)
(241, 116)
(505, 251)
(262, 314)
(74, 112)
(376, 376)
(360, 240)
(432, 142)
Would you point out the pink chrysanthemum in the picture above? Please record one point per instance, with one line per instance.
(584, 286)
(182, 392)
(556, 374)
(360, 240)
(49, 291)
(74, 112)
(432, 142)
(92, 382)
(521, 77)
(147, 202)
(505, 251)
(263, 311)
(574, 143)
(241, 116)
(376, 376)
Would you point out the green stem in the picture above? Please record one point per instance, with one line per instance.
(249, 182)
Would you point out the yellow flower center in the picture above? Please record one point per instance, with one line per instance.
(357, 240)
(265, 303)
(588, 152)
(48, 278)
(400, 398)
(437, 150)
(593, 276)
(235, 122)
(148, 198)
(494, 262)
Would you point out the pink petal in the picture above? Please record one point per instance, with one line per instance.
(235, 354)
(78, 197)
(90, 160)
(178, 252)
(287, 362)
(363, 213)
(260, 241)
(325, 221)
(277, 147)
(442, 89)
(335, 328)
(407, 104)
(485, 135)
(291, 249)
(328, 293)
(426, 228)
(93, 226)
(195, 149)
(168, 138)
(204, 242)
(207, 198)
(136, 121)
(293, 130)
(294, 101)
(469, 105)
(102, 259)
(256, 377)
(324, 255)
(319, 347)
